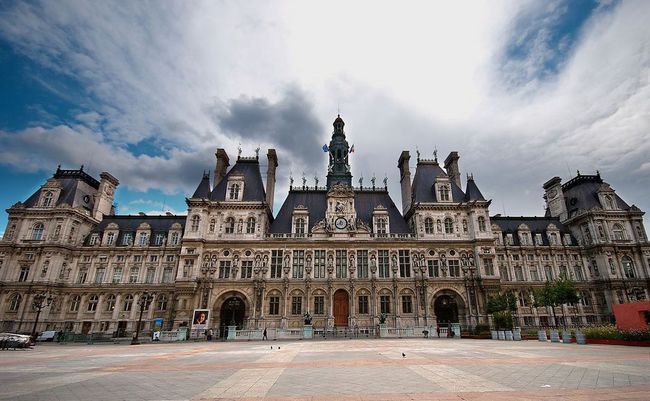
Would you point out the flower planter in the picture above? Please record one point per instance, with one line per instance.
(516, 334)
(580, 338)
(555, 336)
(509, 335)
(618, 342)
(501, 335)
(566, 337)
(541, 335)
(494, 334)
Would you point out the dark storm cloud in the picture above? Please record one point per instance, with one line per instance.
(290, 124)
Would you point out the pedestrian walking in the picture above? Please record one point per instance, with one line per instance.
(264, 337)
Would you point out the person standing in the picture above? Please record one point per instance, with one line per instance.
(209, 334)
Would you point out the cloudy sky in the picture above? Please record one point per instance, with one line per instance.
(148, 90)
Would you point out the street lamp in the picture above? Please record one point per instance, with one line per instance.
(144, 302)
(40, 301)
(470, 280)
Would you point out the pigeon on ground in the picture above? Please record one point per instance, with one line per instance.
(403, 355)
(271, 347)
(278, 347)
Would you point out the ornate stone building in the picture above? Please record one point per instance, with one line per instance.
(343, 253)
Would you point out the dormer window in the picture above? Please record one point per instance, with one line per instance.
(299, 227)
(175, 238)
(481, 224)
(93, 239)
(428, 225)
(47, 199)
(37, 231)
(609, 202)
(127, 239)
(382, 225)
(159, 239)
(143, 239)
(235, 188)
(444, 193)
(233, 194)
(110, 239)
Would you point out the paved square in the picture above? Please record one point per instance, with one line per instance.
(327, 370)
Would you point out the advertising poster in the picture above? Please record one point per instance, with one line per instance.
(157, 328)
(200, 319)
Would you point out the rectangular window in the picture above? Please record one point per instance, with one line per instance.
(407, 304)
(276, 263)
(454, 268)
(519, 273)
(534, 274)
(383, 263)
(341, 264)
(362, 264)
(319, 305)
(296, 305)
(488, 266)
(384, 304)
(168, 275)
(319, 263)
(119, 258)
(274, 305)
(117, 275)
(170, 258)
(188, 267)
(298, 264)
(99, 275)
(151, 275)
(137, 258)
(133, 275)
(404, 263)
(83, 275)
(363, 304)
(247, 269)
(503, 272)
(515, 257)
(224, 269)
(434, 268)
(153, 258)
(127, 239)
(159, 239)
(24, 272)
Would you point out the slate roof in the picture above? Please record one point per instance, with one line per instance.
(203, 190)
(253, 184)
(71, 192)
(130, 224)
(581, 193)
(365, 202)
(422, 188)
(472, 193)
(537, 225)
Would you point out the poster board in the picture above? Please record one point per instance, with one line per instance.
(200, 319)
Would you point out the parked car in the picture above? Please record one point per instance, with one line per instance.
(47, 336)
(14, 340)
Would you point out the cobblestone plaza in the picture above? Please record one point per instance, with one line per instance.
(328, 370)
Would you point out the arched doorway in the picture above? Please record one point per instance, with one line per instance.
(341, 308)
(446, 309)
(232, 313)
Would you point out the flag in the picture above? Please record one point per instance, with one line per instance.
(352, 149)
(325, 148)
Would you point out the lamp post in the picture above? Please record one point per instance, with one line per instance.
(470, 280)
(144, 301)
(40, 301)
(420, 266)
(208, 270)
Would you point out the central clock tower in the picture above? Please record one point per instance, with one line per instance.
(340, 215)
(338, 170)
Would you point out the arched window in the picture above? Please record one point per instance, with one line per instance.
(92, 303)
(628, 267)
(212, 224)
(481, 224)
(162, 302)
(128, 303)
(47, 199)
(110, 303)
(300, 227)
(449, 226)
(250, 225)
(428, 225)
(195, 223)
(14, 304)
(37, 231)
(234, 191)
(74, 303)
(143, 239)
(619, 232)
(230, 225)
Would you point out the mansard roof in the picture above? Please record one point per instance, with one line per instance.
(581, 193)
(249, 168)
(203, 190)
(72, 187)
(365, 201)
(537, 225)
(423, 189)
(129, 225)
(472, 193)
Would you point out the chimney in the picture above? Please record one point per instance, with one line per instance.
(105, 193)
(222, 164)
(451, 165)
(554, 197)
(405, 179)
(270, 177)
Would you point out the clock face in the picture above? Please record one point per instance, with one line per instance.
(341, 223)
(86, 198)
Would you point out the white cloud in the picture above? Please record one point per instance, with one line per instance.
(418, 74)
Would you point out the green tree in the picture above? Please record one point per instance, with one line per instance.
(501, 305)
(556, 293)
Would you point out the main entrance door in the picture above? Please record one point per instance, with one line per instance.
(232, 314)
(341, 308)
(446, 309)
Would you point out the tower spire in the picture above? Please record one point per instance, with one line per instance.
(338, 170)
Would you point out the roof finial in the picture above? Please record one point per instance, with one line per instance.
(257, 152)
(385, 180)
(435, 154)
(578, 173)
(417, 151)
(239, 151)
(290, 180)
(82, 168)
(304, 180)
(361, 181)
(372, 180)
(316, 181)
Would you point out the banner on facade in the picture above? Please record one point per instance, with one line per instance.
(200, 319)
(157, 328)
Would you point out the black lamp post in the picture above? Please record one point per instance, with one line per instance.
(144, 302)
(470, 281)
(40, 301)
